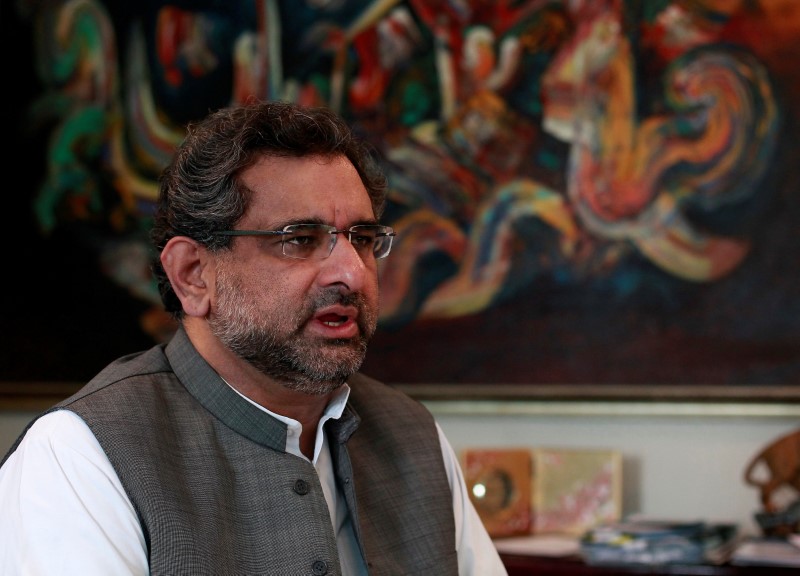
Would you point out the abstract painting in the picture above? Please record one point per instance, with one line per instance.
(586, 192)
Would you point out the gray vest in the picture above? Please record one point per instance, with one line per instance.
(216, 494)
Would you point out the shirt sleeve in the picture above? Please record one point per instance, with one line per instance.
(64, 509)
(477, 554)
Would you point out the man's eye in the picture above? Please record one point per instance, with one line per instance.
(302, 240)
(362, 239)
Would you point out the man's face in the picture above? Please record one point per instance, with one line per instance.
(305, 323)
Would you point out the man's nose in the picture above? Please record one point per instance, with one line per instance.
(344, 266)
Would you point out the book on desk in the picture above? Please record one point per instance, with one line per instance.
(658, 542)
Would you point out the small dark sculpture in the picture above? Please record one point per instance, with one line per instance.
(781, 459)
(782, 523)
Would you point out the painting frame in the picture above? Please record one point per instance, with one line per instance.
(499, 398)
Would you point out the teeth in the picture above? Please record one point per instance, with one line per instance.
(334, 323)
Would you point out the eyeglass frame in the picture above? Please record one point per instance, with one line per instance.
(384, 232)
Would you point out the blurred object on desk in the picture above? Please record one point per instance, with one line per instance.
(499, 484)
(651, 542)
(773, 551)
(781, 523)
(575, 490)
(775, 471)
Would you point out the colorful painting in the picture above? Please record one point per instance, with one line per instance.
(599, 192)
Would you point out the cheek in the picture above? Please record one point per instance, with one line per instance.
(281, 288)
(372, 289)
(248, 284)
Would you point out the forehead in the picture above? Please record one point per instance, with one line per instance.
(312, 187)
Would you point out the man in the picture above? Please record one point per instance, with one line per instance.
(249, 444)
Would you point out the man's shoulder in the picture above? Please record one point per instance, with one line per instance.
(361, 379)
(369, 394)
(152, 361)
(361, 384)
(128, 370)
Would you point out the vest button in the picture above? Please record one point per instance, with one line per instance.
(319, 568)
(301, 487)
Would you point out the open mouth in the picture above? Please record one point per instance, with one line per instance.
(333, 320)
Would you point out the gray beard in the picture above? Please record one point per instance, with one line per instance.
(277, 346)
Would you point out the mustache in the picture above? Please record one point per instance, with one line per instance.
(334, 296)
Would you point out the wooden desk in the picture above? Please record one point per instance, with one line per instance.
(518, 565)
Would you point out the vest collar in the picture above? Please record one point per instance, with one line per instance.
(217, 397)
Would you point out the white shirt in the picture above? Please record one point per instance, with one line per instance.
(63, 509)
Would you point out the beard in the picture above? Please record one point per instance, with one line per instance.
(275, 343)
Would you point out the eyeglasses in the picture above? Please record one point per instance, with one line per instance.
(316, 241)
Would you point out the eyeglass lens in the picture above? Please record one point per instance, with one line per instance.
(317, 240)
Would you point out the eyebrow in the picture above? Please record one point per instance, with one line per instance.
(285, 223)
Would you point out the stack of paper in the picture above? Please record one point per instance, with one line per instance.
(768, 552)
(655, 542)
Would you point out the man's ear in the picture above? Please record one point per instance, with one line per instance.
(185, 262)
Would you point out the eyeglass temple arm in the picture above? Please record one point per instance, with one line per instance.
(250, 233)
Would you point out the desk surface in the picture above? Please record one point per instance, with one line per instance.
(525, 565)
